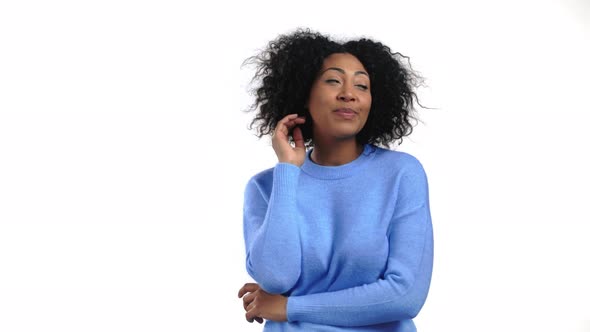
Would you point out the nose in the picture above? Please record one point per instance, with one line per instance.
(346, 94)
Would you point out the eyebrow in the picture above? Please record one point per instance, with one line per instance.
(360, 72)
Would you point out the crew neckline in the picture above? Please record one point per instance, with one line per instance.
(340, 171)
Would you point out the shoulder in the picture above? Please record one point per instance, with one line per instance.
(398, 160)
(407, 176)
(258, 187)
(262, 178)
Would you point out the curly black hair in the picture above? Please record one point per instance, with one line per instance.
(287, 69)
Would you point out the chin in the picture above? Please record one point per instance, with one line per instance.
(346, 136)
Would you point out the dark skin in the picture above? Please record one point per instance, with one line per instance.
(261, 305)
(341, 84)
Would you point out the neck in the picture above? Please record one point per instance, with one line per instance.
(336, 153)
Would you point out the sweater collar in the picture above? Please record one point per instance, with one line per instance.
(337, 172)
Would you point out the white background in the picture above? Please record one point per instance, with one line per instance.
(124, 154)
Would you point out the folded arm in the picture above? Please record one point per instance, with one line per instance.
(273, 248)
(402, 290)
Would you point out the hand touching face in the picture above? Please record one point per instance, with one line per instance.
(280, 140)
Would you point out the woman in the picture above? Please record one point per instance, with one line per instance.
(338, 237)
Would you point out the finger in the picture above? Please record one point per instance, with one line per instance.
(293, 122)
(251, 315)
(248, 287)
(286, 119)
(285, 127)
(250, 306)
(290, 120)
(296, 122)
(290, 116)
(298, 138)
(248, 299)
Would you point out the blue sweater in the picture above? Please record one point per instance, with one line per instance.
(350, 245)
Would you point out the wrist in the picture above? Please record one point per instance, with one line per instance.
(290, 162)
(284, 307)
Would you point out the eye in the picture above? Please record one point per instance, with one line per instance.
(331, 80)
(362, 86)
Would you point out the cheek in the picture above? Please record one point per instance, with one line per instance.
(367, 103)
(318, 101)
(323, 94)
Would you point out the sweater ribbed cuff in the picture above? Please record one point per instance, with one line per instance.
(297, 310)
(285, 179)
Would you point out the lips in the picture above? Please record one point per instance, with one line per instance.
(346, 111)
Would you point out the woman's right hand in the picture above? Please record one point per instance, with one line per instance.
(280, 140)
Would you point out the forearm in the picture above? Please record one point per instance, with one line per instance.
(399, 295)
(347, 308)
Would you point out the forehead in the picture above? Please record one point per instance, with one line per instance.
(345, 61)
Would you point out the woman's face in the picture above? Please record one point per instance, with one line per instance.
(340, 98)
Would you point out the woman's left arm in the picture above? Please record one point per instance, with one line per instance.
(402, 291)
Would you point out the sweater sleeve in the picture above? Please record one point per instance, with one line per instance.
(402, 290)
(273, 248)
